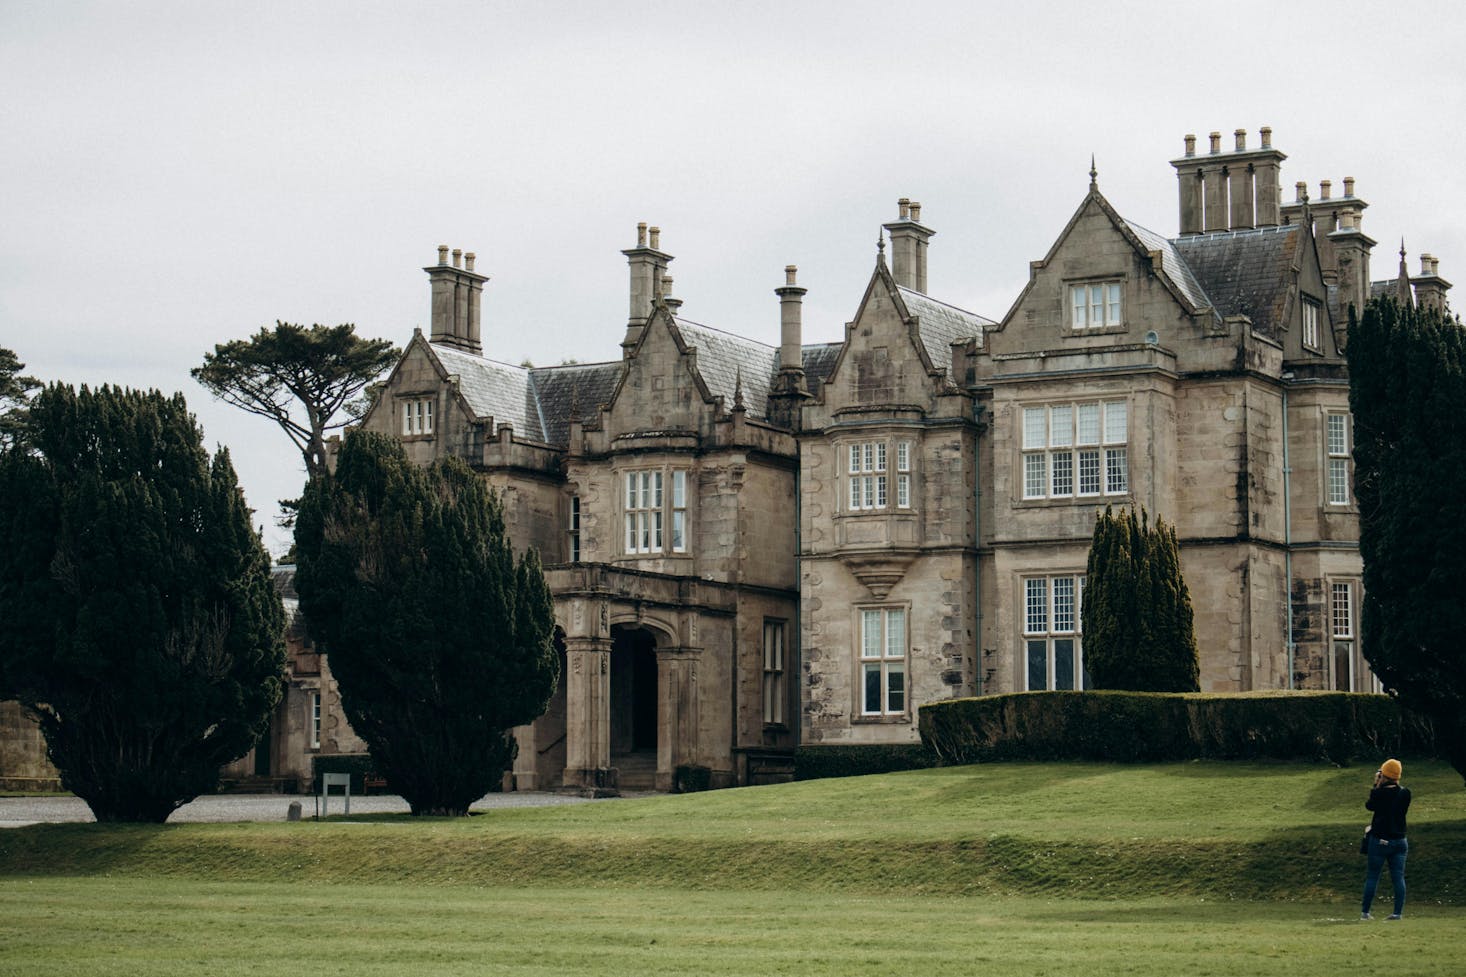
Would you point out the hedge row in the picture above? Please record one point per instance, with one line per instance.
(1153, 727)
(857, 760)
(356, 764)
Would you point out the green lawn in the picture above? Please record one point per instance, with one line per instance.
(1006, 869)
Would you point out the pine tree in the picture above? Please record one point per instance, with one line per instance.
(440, 641)
(142, 630)
(1137, 617)
(1407, 377)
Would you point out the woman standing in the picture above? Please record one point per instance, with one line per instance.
(1389, 802)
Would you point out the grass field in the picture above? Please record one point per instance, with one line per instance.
(1005, 869)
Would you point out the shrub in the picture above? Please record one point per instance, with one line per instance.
(1157, 727)
(356, 764)
(856, 760)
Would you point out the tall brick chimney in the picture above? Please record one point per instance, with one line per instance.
(908, 246)
(648, 265)
(456, 292)
(1228, 191)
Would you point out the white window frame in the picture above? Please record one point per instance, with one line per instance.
(1097, 305)
(1311, 337)
(655, 511)
(881, 666)
(572, 530)
(775, 686)
(1051, 611)
(1349, 672)
(1337, 476)
(1076, 450)
(878, 474)
(315, 719)
(417, 417)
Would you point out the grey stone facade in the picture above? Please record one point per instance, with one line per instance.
(754, 547)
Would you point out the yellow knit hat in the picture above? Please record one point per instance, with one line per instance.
(1391, 769)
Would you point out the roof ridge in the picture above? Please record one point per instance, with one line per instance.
(732, 335)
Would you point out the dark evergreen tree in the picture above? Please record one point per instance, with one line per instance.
(142, 630)
(1407, 392)
(441, 643)
(1137, 618)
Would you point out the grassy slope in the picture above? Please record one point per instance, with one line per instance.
(1276, 832)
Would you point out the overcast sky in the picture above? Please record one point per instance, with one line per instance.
(177, 175)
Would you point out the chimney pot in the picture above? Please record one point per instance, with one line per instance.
(641, 234)
(1266, 134)
(1190, 144)
(1348, 186)
(1300, 190)
(1216, 141)
(442, 254)
(468, 260)
(789, 272)
(904, 205)
(1241, 136)
(1425, 261)
(1325, 187)
(656, 236)
(457, 257)
(915, 211)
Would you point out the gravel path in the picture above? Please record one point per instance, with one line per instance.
(17, 812)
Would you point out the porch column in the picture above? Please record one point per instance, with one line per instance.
(677, 708)
(588, 714)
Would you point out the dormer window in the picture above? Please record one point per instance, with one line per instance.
(417, 417)
(1310, 325)
(1095, 305)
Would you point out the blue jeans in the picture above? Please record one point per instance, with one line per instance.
(1394, 853)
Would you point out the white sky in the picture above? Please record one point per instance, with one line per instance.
(177, 175)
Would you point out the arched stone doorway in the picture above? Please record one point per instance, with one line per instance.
(634, 706)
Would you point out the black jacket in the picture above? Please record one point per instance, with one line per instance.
(1389, 804)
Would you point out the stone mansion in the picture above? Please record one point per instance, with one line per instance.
(755, 548)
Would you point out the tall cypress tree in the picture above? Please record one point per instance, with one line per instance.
(142, 630)
(1137, 617)
(440, 641)
(1407, 388)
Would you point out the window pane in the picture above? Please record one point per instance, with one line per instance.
(1343, 666)
(1063, 472)
(880, 456)
(1063, 663)
(869, 460)
(1115, 422)
(1033, 427)
(1096, 305)
(870, 640)
(1063, 603)
(854, 492)
(903, 491)
(895, 634)
(872, 688)
(855, 458)
(1338, 481)
(679, 489)
(1033, 475)
(1343, 614)
(1117, 472)
(1338, 437)
(1089, 423)
(1079, 305)
(903, 456)
(656, 529)
(896, 685)
(1038, 666)
(1061, 427)
(679, 530)
(1112, 296)
(1036, 605)
(880, 482)
(1089, 472)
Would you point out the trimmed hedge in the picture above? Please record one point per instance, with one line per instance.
(1157, 726)
(857, 760)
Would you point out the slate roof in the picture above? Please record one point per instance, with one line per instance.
(722, 357)
(536, 401)
(940, 324)
(819, 363)
(559, 388)
(1245, 272)
(1173, 266)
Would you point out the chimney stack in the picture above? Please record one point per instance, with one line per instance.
(648, 265)
(909, 239)
(791, 324)
(1430, 287)
(1229, 191)
(456, 291)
